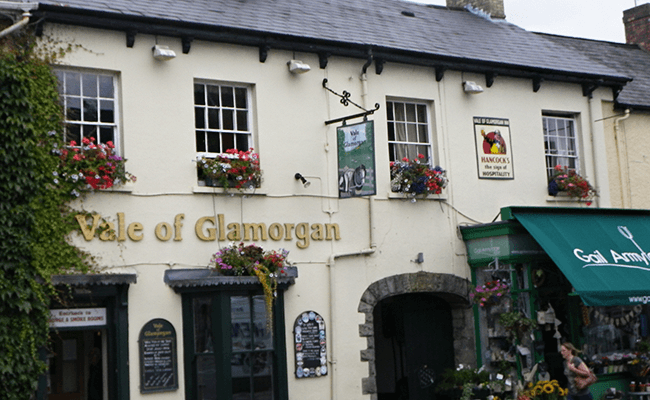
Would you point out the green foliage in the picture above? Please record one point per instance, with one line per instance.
(34, 217)
(462, 377)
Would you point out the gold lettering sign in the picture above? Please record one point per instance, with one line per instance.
(206, 229)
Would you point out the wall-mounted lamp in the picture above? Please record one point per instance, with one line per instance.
(472, 87)
(420, 258)
(302, 179)
(163, 53)
(298, 67)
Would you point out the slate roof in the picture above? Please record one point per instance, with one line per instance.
(627, 58)
(431, 31)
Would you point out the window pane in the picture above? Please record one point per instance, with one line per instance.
(243, 143)
(199, 117)
(90, 131)
(228, 140)
(422, 114)
(389, 111)
(213, 118)
(73, 132)
(241, 376)
(203, 325)
(412, 133)
(263, 336)
(90, 110)
(106, 134)
(213, 96)
(227, 99)
(242, 120)
(240, 321)
(422, 134)
(106, 86)
(228, 120)
(200, 141)
(240, 98)
(106, 113)
(213, 142)
(400, 113)
(73, 110)
(205, 377)
(400, 132)
(199, 94)
(410, 112)
(89, 82)
(72, 83)
(391, 131)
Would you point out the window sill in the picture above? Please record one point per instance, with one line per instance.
(125, 188)
(562, 198)
(230, 192)
(429, 197)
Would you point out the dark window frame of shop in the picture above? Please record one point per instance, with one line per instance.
(221, 320)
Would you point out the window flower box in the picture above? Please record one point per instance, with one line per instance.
(232, 169)
(415, 177)
(567, 181)
(90, 166)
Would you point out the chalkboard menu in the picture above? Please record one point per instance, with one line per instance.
(158, 363)
(310, 345)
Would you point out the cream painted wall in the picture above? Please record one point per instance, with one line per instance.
(157, 129)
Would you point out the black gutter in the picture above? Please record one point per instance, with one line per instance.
(132, 25)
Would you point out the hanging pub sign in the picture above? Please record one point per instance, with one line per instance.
(310, 345)
(493, 150)
(158, 358)
(356, 157)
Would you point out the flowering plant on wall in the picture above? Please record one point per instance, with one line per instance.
(234, 168)
(252, 260)
(489, 293)
(90, 166)
(413, 177)
(568, 181)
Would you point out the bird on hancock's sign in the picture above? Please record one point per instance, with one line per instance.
(493, 143)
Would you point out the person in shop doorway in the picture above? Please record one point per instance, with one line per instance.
(95, 384)
(574, 366)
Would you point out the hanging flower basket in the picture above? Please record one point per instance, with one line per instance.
(232, 169)
(252, 260)
(414, 177)
(490, 293)
(568, 181)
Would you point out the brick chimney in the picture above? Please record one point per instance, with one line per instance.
(492, 7)
(637, 25)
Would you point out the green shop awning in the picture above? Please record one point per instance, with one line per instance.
(602, 252)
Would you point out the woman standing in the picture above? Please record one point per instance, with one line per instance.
(574, 367)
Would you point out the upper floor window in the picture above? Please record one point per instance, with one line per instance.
(222, 118)
(408, 131)
(560, 142)
(89, 102)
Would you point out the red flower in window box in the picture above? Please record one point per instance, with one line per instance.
(568, 181)
(232, 169)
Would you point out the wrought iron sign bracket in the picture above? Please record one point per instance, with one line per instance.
(345, 100)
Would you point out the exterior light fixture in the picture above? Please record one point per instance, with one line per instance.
(471, 87)
(163, 53)
(298, 67)
(302, 179)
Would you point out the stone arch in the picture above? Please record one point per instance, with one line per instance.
(453, 289)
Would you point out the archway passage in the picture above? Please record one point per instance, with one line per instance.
(413, 345)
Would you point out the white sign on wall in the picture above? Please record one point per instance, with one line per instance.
(77, 317)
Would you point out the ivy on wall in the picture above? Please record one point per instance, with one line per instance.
(35, 217)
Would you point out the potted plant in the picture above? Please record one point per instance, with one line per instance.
(414, 177)
(90, 166)
(489, 293)
(232, 169)
(516, 324)
(252, 260)
(567, 181)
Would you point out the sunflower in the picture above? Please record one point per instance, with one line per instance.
(548, 388)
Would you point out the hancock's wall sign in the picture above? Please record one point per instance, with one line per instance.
(493, 150)
(209, 228)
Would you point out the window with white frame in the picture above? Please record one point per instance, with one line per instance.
(90, 106)
(560, 143)
(222, 118)
(408, 131)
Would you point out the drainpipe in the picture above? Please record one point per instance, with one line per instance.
(17, 25)
(622, 164)
(330, 264)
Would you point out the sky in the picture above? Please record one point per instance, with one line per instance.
(590, 19)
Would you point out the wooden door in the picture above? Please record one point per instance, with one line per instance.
(67, 366)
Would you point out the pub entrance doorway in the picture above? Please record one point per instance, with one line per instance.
(413, 345)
